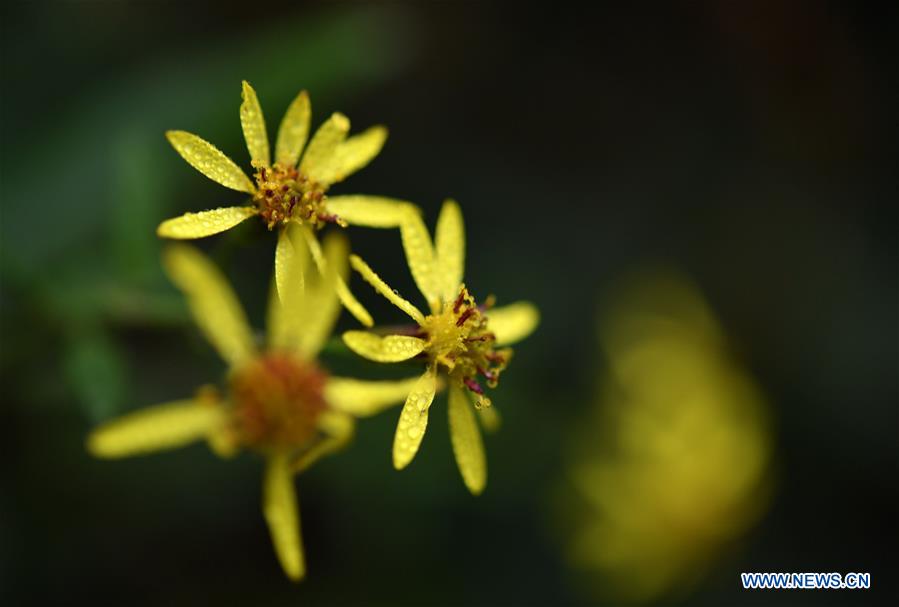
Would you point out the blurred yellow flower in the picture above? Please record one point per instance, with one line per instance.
(675, 464)
(458, 337)
(292, 191)
(279, 402)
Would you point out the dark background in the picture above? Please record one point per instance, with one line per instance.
(750, 145)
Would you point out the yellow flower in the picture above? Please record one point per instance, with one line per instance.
(675, 465)
(290, 191)
(279, 402)
(458, 338)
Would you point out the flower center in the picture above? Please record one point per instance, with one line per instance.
(284, 193)
(277, 400)
(459, 339)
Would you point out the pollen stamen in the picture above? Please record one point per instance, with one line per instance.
(459, 338)
(284, 194)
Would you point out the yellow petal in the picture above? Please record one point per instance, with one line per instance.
(363, 398)
(468, 446)
(449, 247)
(414, 419)
(319, 160)
(387, 349)
(204, 223)
(279, 505)
(338, 428)
(214, 306)
(288, 307)
(369, 211)
(346, 297)
(210, 161)
(356, 152)
(490, 418)
(293, 131)
(321, 304)
(352, 304)
(513, 322)
(420, 256)
(155, 429)
(253, 123)
(384, 289)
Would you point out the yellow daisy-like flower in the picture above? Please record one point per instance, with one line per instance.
(458, 338)
(279, 402)
(674, 464)
(292, 190)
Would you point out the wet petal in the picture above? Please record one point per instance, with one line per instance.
(210, 161)
(319, 160)
(204, 223)
(384, 349)
(369, 211)
(384, 289)
(420, 256)
(293, 131)
(155, 428)
(279, 505)
(346, 297)
(289, 263)
(321, 303)
(356, 152)
(362, 398)
(449, 246)
(513, 322)
(414, 419)
(468, 446)
(253, 124)
(287, 320)
(215, 308)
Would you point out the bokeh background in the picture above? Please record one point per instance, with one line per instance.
(744, 146)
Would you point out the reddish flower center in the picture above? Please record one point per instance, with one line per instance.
(277, 400)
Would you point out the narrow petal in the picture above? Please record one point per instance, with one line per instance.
(321, 303)
(383, 349)
(214, 306)
(468, 446)
(370, 211)
(293, 131)
(362, 398)
(303, 321)
(338, 428)
(279, 505)
(288, 306)
(210, 161)
(513, 322)
(420, 256)
(204, 223)
(490, 418)
(155, 429)
(356, 152)
(352, 304)
(319, 160)
(253, 123)
(449, 246)
(288, 264)
(346, 297)
(384, 289)
(414, 419)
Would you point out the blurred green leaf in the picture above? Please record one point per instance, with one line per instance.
(94, 369)
(139, 182)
